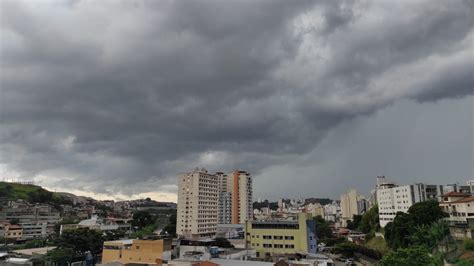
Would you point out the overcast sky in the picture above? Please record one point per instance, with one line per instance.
(113, 98)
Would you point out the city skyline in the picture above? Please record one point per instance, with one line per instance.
(311, 98)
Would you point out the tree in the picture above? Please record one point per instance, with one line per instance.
(413, 256)
(323, 231)
(347, 249)
(426, 212)
(142, 219)
(81, 240)
(419, 226)
(60, 255)
(397, 232)
(370, 220)
(355, 223)
(469, 244)
(222, 242)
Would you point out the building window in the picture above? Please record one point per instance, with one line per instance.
(267, 245)
(267, 237)
(289, 237)
(278, 237)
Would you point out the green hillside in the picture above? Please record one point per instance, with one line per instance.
(31, 193)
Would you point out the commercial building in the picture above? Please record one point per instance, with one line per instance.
(351, 204)
(197, 204)
(270, 238)
(137, 251)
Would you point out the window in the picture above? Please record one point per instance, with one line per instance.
(289, 237)
(278, 237)
(267, 245)
(267, 237)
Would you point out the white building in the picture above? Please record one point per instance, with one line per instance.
(459, 206)
(398, 199)
(197, 211)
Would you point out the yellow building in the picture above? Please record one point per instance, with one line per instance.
(269, 238)
(13, 231)
(137, 251)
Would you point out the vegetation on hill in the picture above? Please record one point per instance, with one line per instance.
(30, 193)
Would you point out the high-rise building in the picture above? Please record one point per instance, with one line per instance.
(235, 197)
(198, 199)
(352, 204)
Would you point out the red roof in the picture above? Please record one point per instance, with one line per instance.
(466, 199)
(455, 194)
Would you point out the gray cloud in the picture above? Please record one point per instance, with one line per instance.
(112, 97)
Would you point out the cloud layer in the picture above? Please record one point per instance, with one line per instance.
(117, 97)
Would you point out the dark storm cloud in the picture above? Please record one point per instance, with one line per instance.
(118, 96)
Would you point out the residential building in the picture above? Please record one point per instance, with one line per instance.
(351, 204)
(282, 237)
(25, 213)
(465, 189)
(197, 211)
(231, 231)
(315, 209)
(225, 199)
(459, 206)
(34, 230)
(395, 199)
(137, 251)
(235, 200)
(13, 231)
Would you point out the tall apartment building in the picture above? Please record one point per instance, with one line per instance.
(351, 204)
(198, 199)
(235, 197)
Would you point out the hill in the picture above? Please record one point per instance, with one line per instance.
(30, 193)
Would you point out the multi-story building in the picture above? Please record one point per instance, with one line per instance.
(399, 199)
(351, 204)
(242, 210)
(235, 197)
(34, 230)
(135, 251)
(13, 231)
(197, 211)
(459, 206)
(271, 238)
(465, 189)
(25, 213)
(225, 199)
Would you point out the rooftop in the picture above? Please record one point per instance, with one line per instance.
(465, 199)
(455, 194)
